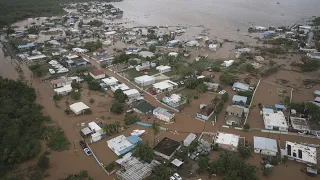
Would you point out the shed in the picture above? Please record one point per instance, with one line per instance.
(95, 137)
(265, 146)
(86, 131)
(190, 138)
(177, 163)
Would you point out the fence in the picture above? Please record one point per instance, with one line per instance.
(247, 115)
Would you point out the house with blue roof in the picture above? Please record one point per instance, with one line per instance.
(121, 144)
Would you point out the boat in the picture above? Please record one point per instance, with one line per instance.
(138, 132)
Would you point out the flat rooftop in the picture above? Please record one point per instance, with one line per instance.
(302, 152)
(119, 143)
(275, 119)
(299, 124)
(164, 84)
(226, 138)
(167, 146)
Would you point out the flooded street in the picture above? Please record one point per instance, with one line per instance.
(223, 17)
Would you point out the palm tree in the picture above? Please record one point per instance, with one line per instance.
(155, 127)
(117, 126)
(106, 129)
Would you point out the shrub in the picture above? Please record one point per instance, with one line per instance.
(117, 108)
(91, 101)
(246, 127)
(111, 166)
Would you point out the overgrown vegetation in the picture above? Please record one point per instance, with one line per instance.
(55, 138)
(131, 119)
(117, 108)
(83, 175)
(22, 119)
(143, 151)
(161, 172)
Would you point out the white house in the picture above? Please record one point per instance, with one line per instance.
(265, 146)
(146, 54)
(37, 57)
(97, 131)
(63, 90)
(164, 86)
(163, 114)
(78, 107)
(132, 94)
(163, 69)
(227, 63)
(301, 153)
(227, 141)
(274, 120)
(206, 111)
(122, 86)
(110, 81)
(213, 47)
(97, 74)
(121, 144)
(191, 137)
(238, 86)
(145, 80)
(173, 54)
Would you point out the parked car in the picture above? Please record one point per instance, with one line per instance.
(172, 178)
(82, 144)
(222, 91)
(177, 176)
(181, 82)
(87, 151)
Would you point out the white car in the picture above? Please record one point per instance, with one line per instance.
(222, 92)
(181, 82)
(177, 176)
(172, 178)
(87, 151)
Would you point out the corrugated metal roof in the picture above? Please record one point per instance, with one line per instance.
(279, 106)
(265, 144)
(134, 139)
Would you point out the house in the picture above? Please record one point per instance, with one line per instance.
(146, 54)
(86, 131)
(121, 86)
(100, 52)
(238, 86)
(66, 89)
(79, 50)
(317, 100)
(163, 114)
(174, 100)
(227, 141)
(315, 55)
(227, 63)
(78, 108)
(58, 83)
(132, 94)
(163, 69)
(300, 153)
(164, 86)
(143, 107)
(151, 43)
(110, 81)
(173, 43)
(241, 100)
(299, 124)
(274, 120)
(192, 43)
(166, 148)
(234, 115)
(189, 139)
(144, 66)
(316, 92)
(97, 74)
(144, 80)
(265, 146)
(121, 144)
(37, 57)
(212, 86)
(213, 47)
(173, 54)
(206, 111)
(135, 168)
(26, 46)
(97, 131)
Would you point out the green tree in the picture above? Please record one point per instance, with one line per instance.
(75, 85)
(43, 162)
(203, 164)
(120, 96)
(161, 172)
(133, 62)
(143, 151)
(156, 129)
(91, 100)
(227, 78)
(191, 83)
(75, 95)
(215, 68)
(152, 48)
(94, 85)
(201, 88)
(117, 108)
(244, 152)
(131, 119)
(225, 97)
(246, 127)
(267, 171)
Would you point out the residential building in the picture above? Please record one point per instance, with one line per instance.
(121, 86)
(274, 120)
(110, 81)
(144, 66)
(134, 169)
(265, 146)
(145, 80)
(173, 43)
(316, 92)
(164, 86)
(189, 139)
(212, 86)
(315, 55)
(163, 69)
(143, 107)
(299, 124)
(100, 52)
(97, 74)
(174, 100)
(234, 115)
(132, 94)
(166, 148)
(78, 108)
(26, 46)
(121, 144)
(300, 153)
(66, 89)
(146, 54)
(37, 57)
(238, 86)
(192, 43)
(173, 54)
(227, 141)
(206, 111)
(240, 100)
(151, 43)
(163, 114)
(62, 81)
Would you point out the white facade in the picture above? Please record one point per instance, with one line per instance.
(190, 138)
(94, 126)
(110, 81)
(145, 80)
(301, 153)
(213, 47)
(163, 114)
(227, 63)
(97, 76)
(78, 107)
(118, 144)
(95, 137)
(227, 141)
(122, 86)
(132, 93)
(174, 54)
(36, 57)
(63, 90)
(163, 69)
(275, 121)
(164, 86)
